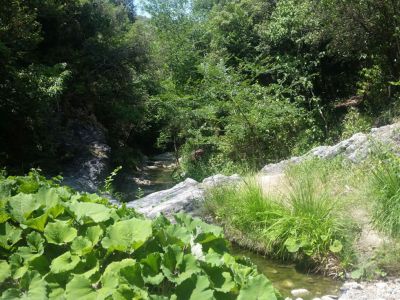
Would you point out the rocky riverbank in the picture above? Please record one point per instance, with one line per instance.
(188, 195)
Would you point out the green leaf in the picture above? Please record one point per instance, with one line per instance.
(109, 278)
(49, 198)
(35, 285)
(86, 211)
(151, 268)
(336, 246)
(9, 235)
(59, 232)
(5, 270)
(21, 206)
(94, 234)
(222, 281)
(195, 288)
(4, 216)
(64, 263)
(37, 223)
(80, 288)
(259, 288)
(81, 246)
(35, 247)
(292, 245)
(132, 274)
(127, 235)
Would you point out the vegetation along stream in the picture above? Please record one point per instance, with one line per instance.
(158, 175)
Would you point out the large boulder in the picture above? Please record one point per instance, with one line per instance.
(184, 196)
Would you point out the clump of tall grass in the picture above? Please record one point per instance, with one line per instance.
(301, 223)
(386, 193)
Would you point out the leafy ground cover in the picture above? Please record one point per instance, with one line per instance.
(56, 243)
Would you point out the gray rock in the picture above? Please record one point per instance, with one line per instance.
(351, 285)
(219, 180)
(387, 290)
(88, 164)
(184, 196)
(356, 148)
(300, 292)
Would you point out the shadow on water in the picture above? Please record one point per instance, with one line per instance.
(157, 175)
(286, 278)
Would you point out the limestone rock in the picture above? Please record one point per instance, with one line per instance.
(184, 196)
(356, 148)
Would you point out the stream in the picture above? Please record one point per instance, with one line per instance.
(158, 175)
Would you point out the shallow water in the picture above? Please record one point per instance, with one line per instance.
(157, 175)
(285, 277)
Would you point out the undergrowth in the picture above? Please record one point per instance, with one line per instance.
(56, 243)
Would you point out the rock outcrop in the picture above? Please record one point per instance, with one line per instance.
(355, 148)
(88, 164)
(184, 196)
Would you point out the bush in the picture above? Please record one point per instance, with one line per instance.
(354, 122)
(59, 244)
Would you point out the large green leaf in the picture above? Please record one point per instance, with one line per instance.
(81, 246)
(80, 288)
(110, 278)
(151, 268)
(127, 235)
(93, 234)
(64, 263)
(59, 232)
(86, 211)
(195, 288)
(9, 235)
(49, 198)
(35, 247)
(21, 206)
(4, 216)
(259, 288)
(5, 270)
(37, 223)
(33, 287)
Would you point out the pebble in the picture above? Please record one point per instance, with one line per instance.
(300, 292)
(351, 286)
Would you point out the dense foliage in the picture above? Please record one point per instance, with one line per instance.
(251, 81)
(245, 81)
(63, 60)
(59, 244)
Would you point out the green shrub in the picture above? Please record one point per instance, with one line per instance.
(354, 122)
(56, 243)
